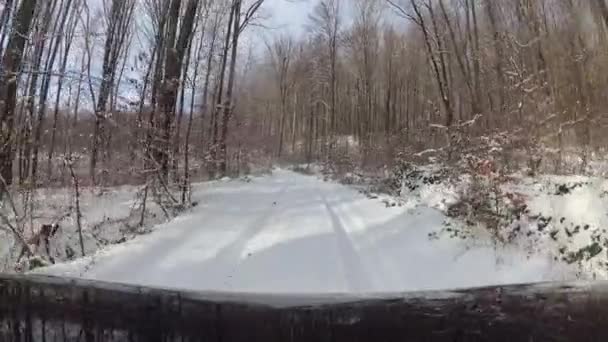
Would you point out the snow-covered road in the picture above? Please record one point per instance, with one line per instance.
(294, 233)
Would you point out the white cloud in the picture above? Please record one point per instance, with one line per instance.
(289, 15)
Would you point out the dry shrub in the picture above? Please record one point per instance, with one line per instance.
(486, 202)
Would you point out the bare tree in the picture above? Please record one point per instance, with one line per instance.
(198, 56)
(175, 48)
(326, 21)
(65, 11)
(68, 41)
(434, 48)
(281, 52)
(119, 19)
(8, 86)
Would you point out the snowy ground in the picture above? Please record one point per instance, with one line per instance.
(109, 216)
(294, 233)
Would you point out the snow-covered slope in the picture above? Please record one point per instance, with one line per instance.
(109, 216)
(568, 215)
(294, 233)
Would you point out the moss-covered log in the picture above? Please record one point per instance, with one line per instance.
(36, 308)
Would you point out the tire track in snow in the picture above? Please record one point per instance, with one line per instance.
(354, 271)
(229, 256)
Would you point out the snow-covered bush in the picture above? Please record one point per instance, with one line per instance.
(484, 201)
(109, 216)
(567, 216)
(563, 217)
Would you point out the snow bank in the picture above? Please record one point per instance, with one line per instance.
(109, 216)
(564, 218)
(568, 217)
(430, 186)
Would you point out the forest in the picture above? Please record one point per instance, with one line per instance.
(159, 95)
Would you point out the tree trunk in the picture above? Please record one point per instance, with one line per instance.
(8, 87)
(46, 81)
(60, 79)
(209, 67)
(438, 73)
(498, 47)
(236, 31)
(601, 4)
(116, 33)
(7, 14)
(175, 53)
(219, 96)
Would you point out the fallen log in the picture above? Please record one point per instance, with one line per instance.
(41, 308)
